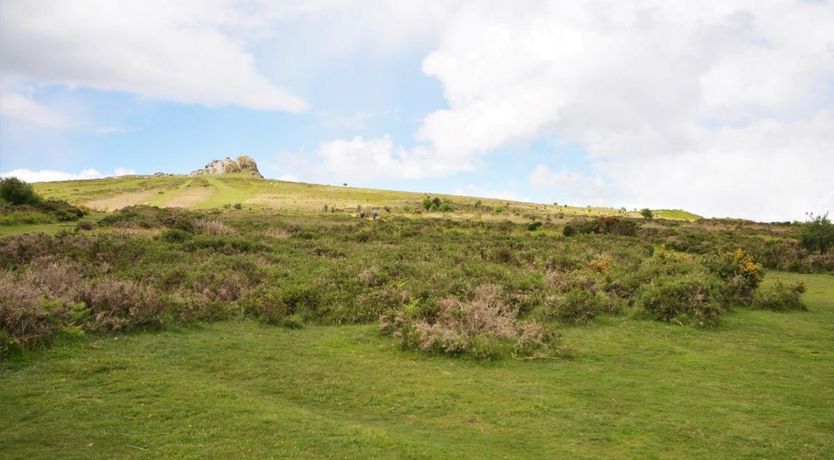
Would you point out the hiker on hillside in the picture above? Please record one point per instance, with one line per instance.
(374, 214)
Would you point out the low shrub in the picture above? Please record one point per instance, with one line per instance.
(175, 235)
(51, 296)
(281, 306)
(117, 305)
(677, 288)
(575, 306)
(213, 226)
(741, 275)
(609, 225)
(533, 226)
(224, 244)
(25, 217)
(483, 326)
(780, 297)
(85, 226)
(29, 315)
(681, 299)
(144, 216)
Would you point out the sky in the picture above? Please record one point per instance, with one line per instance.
(725, 109)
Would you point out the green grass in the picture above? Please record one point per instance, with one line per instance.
(114, 193)
(758, 386)
(50, 229)
(675, 214)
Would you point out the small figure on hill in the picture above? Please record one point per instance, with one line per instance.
(374, 214)
(362, 213)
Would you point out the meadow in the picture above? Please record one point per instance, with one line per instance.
(260, 318)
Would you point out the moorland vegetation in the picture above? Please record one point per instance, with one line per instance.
(486, 289)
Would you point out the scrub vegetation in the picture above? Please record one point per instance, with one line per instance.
(411, 333)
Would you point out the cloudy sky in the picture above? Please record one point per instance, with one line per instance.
(722, 108)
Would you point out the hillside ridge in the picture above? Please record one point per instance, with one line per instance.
(206, 191)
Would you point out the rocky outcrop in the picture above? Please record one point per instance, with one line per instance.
(243, 164)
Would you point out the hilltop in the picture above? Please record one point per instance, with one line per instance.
(243, 164)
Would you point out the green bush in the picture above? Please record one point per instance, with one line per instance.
(287, 306)
(817, 234)
(677, 288)
(780, 297)
(175, 235)
(576, 306)
(740, 274)
(18, 192)
(682, 299)
(609, 225)
(533, 226)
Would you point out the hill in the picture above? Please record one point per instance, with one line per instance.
(243, 303)
(208, 191)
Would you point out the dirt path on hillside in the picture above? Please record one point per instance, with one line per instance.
(190, 197)
(120, 201)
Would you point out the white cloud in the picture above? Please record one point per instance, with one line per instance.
(723, 107)
(477, 191)
(768, 170)
(185, 51)
(19, 107)
(50, 175)
(571, 186)
(375, 159)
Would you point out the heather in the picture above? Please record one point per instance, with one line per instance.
(145, 267)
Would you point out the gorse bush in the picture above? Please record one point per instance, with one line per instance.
(741, 275)
(780, 297)
(681, 299)
(677, 288)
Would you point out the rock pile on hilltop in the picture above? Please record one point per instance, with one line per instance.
(243, 164)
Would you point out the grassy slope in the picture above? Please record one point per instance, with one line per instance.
(6, 230)
(758, 386)
(112, 193)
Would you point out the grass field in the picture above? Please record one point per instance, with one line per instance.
(758, 386)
